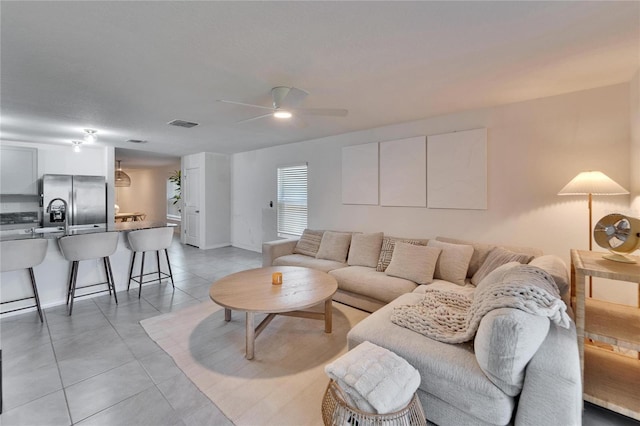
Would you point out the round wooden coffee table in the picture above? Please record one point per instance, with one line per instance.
(251, 291)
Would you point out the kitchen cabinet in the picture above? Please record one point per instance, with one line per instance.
(18, 171)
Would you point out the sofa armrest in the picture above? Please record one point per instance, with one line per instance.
(552, 390)
(271, 250)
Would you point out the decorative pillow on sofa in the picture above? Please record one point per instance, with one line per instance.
(334, 246)
(309, 242)
(506, 341)
(480, 252)
(413, 262)
(388, 243)
(453, 262)
(498, 257)
(365, 249)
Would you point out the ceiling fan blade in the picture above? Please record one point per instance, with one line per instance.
(292, 98)
(243, 104)
(255, 118)
(333, 112)
(298, 122)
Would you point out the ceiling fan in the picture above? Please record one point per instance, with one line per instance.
(285, 105)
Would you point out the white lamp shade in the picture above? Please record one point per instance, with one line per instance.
(592, 182)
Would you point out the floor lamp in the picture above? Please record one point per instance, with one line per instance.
(592, 183)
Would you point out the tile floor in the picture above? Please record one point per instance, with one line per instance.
(99, 367)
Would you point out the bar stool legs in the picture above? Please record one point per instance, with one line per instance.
(35, 293)
(73, 277)
(140, 276)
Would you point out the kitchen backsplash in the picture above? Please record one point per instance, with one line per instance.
(21, 219)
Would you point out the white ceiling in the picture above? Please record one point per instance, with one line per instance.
(127, 68)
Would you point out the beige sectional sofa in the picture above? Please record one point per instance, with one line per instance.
(519, 369)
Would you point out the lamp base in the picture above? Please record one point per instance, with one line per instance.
(619, 258)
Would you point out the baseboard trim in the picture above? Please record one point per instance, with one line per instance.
(246, 247)
(214, 246)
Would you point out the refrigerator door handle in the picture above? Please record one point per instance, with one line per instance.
(72, 207)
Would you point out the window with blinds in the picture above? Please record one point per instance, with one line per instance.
(292, 200)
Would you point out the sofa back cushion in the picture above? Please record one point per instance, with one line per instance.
(309, 243)
(498, 257)
(453, 261)
(481, 251)
(388, 243)
(334, 246)
(365, 249)
(413, 262)
(505, 342)
(556, 268)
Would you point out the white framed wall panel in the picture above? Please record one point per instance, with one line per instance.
(403, 172)
(457, 170)
(360, 174)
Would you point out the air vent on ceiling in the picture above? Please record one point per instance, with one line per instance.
(182, 123)
(136, 141)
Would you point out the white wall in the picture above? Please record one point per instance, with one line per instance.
(534, 149)
(634, 92)
(217, 194)
(214, 195)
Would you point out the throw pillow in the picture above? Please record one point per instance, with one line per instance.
(334, 246)
(453, 261)
(386, 251)
(497, 257)
(365, 249)
(309, 242)
(413, 262)
(480, 253)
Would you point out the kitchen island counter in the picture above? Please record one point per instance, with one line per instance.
(52, 274)
(52, 233)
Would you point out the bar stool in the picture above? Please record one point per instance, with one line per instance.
(76, 248)
(23, 254)
(143, 240)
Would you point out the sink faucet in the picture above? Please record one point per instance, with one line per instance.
(56, 216)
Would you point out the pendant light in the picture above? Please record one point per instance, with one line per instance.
(122, 179)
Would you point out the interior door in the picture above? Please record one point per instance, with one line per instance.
(192, 206)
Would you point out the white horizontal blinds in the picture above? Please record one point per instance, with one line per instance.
(292, 199)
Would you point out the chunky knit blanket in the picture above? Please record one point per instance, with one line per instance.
(452, 317)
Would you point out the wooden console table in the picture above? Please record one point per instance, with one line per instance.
(610, 380)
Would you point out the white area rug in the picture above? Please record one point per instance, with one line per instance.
(282, 385)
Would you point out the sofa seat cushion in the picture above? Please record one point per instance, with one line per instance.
(368, 281)
(449, 372)
(308, 262)
(443, 285)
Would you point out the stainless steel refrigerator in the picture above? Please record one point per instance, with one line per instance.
(86, 198)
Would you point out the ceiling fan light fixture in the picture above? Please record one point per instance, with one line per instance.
(76, 145)
(282, 114)
(90, 135)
